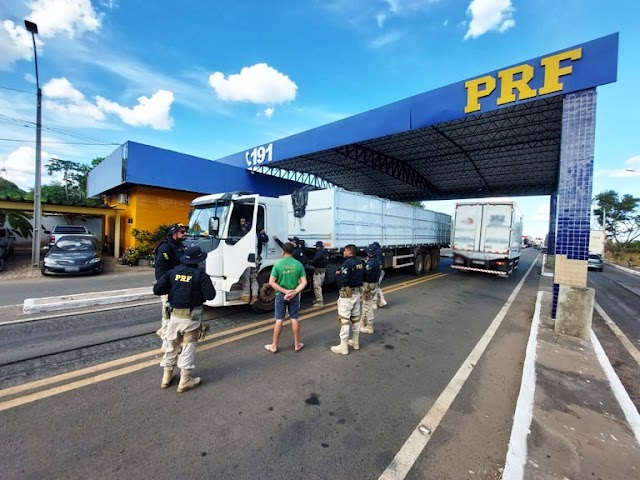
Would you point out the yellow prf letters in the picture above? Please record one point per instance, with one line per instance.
(518, 78)
(183, 278)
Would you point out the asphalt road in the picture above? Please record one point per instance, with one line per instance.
(15, 291)
(310, 414)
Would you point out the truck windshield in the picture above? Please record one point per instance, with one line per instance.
(200, 215)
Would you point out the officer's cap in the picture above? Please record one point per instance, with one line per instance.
(319, 244)
(175, 227)
(295, 239)
(193, 256)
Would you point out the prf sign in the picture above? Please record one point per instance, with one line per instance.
(519, 78)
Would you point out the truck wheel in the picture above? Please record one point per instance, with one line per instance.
(435, 261)
(266, 294)
(418, 265)
(428, 264)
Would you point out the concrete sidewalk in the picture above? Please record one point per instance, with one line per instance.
(573, 418)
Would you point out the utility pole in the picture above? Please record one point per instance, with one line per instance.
(37, 191)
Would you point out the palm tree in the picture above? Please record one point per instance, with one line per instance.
(20, 222)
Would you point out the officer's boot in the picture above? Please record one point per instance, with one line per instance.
(381, 300)
(355, 340)
(367, 326)
(167, 376)
(187, 382)
(343, 348)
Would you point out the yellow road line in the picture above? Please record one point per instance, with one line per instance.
(207, 344)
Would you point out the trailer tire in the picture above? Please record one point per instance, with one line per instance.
(266, 294)
(435, 261)
(428, 263)
(418, 265)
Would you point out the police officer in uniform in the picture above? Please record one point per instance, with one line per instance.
(298, 250)
(187, 286)
(167, 256)
(350, 279)
(380, 301)
(319, 262)
(371, 277)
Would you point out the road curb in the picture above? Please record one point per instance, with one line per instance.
(80, 300)
(624, 269)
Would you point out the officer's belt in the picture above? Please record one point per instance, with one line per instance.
(320, 270)
(353, 289)
(181, 312)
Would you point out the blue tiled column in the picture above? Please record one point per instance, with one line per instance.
(574, 191)
(551, 241)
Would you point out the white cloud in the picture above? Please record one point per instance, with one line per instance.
(445, 23)
(385, 39)
(489, 15)
(15, 44)
(259, 83)
(68, 17)
(269, 112)
(153, 112)
(68, 104)
(631, 169)
(380, 19)
(20, 166)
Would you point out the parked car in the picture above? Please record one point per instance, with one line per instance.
(58, 230)
(595, 262)
(73, 254)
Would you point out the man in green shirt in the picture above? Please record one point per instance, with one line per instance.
(288, 279)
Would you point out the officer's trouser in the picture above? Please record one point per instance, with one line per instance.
(249, 280)
(379, 298)
(349, 314)
(318, 280)
(165, 314)
(368, 295)
(183, 328)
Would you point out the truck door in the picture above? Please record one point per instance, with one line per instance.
(238, 248)
(466, 230)
(496, 223)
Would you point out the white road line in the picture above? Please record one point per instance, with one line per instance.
(417, 441)
(517, 453)
(618, 333)
(629, 409)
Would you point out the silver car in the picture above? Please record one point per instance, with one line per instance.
(595, 262)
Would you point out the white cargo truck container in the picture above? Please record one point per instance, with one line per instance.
(486, 237)
(410, 236)
(597, 239)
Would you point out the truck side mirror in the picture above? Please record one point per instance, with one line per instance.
(214, 226)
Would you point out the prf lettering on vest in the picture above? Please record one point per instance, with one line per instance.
(518, 78)
(183, 278)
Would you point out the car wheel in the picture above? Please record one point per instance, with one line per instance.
(43, 271)
(99, 268)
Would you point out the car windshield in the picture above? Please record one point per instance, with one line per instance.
(76, 244)
(594, 256)
(69, 229)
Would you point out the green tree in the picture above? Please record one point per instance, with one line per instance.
(10, 190)
(415, 204)
(621, 217)
(74, 181)
(19, 220)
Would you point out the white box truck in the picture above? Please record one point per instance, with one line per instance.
(410, 236)
(597, 240)
(486, 237)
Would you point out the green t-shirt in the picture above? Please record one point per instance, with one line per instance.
(288, 273)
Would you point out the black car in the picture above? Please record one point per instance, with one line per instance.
(72, 254)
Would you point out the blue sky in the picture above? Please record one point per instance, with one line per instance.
(212, 78)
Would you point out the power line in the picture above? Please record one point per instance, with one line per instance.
(54, 143)
(16, 90)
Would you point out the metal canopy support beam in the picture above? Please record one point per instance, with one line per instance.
(390, 166)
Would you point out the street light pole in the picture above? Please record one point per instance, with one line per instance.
(37, 191)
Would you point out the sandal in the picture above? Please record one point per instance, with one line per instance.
(301, 347)
(268, 349)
